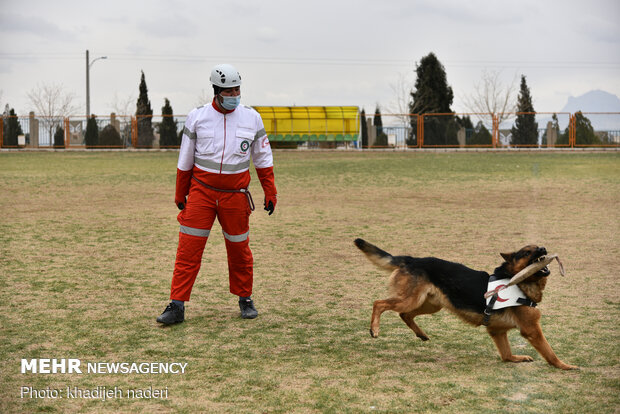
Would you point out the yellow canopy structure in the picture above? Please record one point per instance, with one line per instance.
(310, 123)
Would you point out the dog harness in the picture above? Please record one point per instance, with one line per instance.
(511, 296)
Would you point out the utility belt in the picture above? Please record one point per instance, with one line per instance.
(241, 190)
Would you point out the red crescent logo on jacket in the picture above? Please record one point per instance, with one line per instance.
(265, 142)
(500, 299)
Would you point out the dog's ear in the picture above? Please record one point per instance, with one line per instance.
(507, 256)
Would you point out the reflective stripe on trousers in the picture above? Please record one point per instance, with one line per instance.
(196, 220)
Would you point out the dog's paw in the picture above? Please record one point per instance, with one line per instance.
(373, 333)
(423, 337)
(520, 358)
(567, 367)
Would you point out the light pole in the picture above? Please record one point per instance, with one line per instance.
(88, 65)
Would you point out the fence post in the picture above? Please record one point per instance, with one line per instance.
(134, 132)
(371, 130)
(571, 131)
(495, 136)
(67, 133)
(34, 131)
(420, 130)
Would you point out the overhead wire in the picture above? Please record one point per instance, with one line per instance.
(550, 64)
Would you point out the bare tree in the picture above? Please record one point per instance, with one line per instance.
(492, 96)
(204, 98)
(124, 110)
(123, 106)
(52, 104)
(52, 100)
(402, 96)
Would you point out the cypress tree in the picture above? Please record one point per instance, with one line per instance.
(59, 137)
(364, 129)
(381, 140)
(432, 94)
(563, 137)
(465, 122)
(525, 129)
(12, 128)
(481, 135)
(144, 115)
(91, 137)
(168, 128)
(110, 137)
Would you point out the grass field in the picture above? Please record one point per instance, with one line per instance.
(87, 246)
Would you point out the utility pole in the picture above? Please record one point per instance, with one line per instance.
(87, 86)
(88, 65)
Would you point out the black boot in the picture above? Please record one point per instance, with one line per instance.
(248, 311)
(172, 314)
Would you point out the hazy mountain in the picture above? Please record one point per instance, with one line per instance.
(588, 103)
(596, 101)
(593, 101)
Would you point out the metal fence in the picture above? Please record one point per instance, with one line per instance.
(113, 131)
(486, 130)
(398, 131)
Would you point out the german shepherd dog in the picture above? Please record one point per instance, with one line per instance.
(421, 286)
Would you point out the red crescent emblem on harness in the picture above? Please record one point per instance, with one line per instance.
(499, 299)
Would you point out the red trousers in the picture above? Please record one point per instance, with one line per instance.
(233, 213)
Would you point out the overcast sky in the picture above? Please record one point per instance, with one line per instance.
(314, 52)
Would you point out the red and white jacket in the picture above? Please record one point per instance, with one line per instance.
(217, 147)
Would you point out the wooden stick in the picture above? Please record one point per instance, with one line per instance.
(529, 271)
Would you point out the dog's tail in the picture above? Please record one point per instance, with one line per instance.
(381, 258)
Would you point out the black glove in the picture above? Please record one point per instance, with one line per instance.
(181, 206)
(270, 207)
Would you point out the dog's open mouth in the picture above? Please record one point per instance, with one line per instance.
(545, 270)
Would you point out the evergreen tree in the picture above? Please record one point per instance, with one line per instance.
(525, 129)
(91, 137)
(59, 137)
(481, 135)
(364, 129)
(465, 122)
(584, 132)
(144, 115)
(12, 128)
(168, 128)
(381, 140)
(432, 94)
(110, 137)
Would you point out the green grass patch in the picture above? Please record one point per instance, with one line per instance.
(87, 247)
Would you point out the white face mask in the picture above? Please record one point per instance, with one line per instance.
(230, 102)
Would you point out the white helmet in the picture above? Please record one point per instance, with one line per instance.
(225, 76)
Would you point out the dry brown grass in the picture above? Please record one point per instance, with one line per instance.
(87, 243)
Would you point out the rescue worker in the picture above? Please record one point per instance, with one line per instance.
(219, 139)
